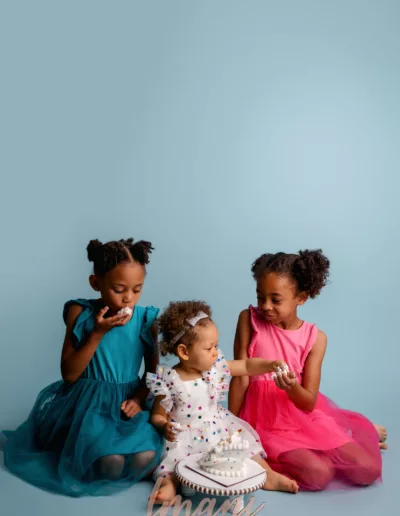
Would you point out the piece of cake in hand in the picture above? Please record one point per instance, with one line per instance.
(280, 371)
(125, 311)
(227, 458)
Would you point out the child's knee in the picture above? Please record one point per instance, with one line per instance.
(371, 475)
(366, 473)
(359, 467)
(112, 466)
(143, 460)
(318, 475)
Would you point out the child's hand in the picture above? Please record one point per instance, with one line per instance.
(130, 408)
(171, 431)
(276, 365)
(104, 325)
(286, 381)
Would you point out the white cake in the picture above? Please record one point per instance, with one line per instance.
(227, 458)
(280, 371)
(125, 311)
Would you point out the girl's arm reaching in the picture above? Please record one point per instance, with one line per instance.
(253, 366)
(239, 384)
(305, 396)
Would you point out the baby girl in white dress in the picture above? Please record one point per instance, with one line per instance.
(186, 406)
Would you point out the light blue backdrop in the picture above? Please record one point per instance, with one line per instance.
(219, 131)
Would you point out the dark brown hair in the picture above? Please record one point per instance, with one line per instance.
(106, 257)
(309, 269)
(174, 319)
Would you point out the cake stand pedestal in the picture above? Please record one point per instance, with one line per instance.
(193, 482)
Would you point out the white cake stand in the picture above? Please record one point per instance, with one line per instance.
(195, 482)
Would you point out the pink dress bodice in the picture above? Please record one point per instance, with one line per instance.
(273, 343)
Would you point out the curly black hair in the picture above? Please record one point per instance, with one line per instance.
(309, 269)
(106, 257)
(174, 319)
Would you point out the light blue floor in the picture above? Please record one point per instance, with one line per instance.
(19, 499)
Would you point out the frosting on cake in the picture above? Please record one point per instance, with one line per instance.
(227, 458)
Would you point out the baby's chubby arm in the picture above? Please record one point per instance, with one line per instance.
(159, 419)
(254, 366)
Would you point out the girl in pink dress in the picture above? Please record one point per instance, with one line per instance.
(305, 436)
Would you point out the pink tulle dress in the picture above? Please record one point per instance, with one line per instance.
(311, 447)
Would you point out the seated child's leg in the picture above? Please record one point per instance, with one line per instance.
(111, 466)
(356, 464)
(165, 489)
(143, 462)
(312, 472)
(276, 481)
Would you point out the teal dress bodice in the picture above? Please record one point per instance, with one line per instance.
(119, 355)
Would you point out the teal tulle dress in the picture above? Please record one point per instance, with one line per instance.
(72, 426)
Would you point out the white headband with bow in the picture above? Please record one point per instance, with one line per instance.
(191, 322)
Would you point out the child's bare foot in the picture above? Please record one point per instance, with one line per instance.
(166, 491)
(382, 432)
(278, 482)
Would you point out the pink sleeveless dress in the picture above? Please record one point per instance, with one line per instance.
(343, 439)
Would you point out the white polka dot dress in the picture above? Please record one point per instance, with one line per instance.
(194, 405)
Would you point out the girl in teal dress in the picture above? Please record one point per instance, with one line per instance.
(89, 434)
